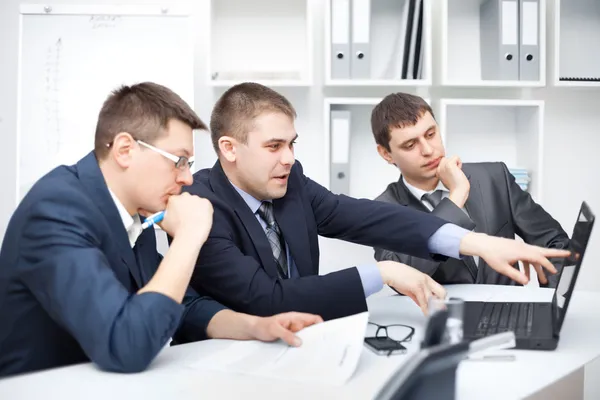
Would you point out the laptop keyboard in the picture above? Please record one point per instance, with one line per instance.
(503, 317)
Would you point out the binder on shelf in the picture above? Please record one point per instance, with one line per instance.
(340, 39)
(408, 39)
(360, 64)
(420, 44)
(415, 41)
(499, 36)
(529, 43)
(339, 179)
(396, 62)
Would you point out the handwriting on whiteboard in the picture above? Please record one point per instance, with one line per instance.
(52, 94)
(104, 21)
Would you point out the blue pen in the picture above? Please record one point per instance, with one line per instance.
(153, 219)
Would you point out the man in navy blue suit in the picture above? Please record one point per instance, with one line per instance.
(81, 280)
(262, 254)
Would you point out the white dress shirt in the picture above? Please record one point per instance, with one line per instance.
(418, 193)
(133, 225)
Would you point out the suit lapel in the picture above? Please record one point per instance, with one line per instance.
(289, 214)
(223, 188)
(140, 254)
(406, 197)
(92, 179)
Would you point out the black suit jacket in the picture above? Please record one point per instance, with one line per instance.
(236, 265)
(68, 278)
(496, 206)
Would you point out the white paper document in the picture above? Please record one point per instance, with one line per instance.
(329, 354)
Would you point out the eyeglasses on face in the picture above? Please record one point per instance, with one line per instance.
(181, 162)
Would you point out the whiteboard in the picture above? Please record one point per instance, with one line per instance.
(72, 57)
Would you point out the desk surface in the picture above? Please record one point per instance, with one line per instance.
(170, 375)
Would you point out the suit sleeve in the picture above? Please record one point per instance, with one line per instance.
(372, 223)
(241, 283)
(199, 310)
(446, 210)
(532, 223)
(66, 271)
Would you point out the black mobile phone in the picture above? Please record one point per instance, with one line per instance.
(384, 346)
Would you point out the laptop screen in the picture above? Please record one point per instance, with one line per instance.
(572, 264)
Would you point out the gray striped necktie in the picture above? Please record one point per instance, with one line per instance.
(265, 211)
(434, 198)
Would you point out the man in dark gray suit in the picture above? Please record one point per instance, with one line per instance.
(483, 197)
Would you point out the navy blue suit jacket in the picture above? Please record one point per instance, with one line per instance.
(236, 265)
(68, 278)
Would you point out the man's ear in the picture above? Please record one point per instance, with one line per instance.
(122, 149)
(227, 147)
(385, 154)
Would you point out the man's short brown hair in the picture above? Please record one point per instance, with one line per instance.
(143, 110)
(234, 112)
(397, 110)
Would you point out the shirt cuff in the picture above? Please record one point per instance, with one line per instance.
(446, 240)
(370, 278)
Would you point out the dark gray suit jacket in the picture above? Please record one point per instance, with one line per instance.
(497, 206)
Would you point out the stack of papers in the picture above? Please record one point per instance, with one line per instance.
(329, 354)
(521, 177)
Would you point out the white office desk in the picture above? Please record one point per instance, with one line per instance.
(170, 377)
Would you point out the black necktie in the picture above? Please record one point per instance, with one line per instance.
(434, 198)
(265, 211)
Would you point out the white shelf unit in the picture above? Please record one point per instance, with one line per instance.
(368, 173)
(385, 33)
(461, 43)
(484, 130)
(265, 41)
(577, 42)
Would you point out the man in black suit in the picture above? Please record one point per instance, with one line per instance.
(483, 197)
(262, 254)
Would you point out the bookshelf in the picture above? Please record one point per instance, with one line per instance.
(471, 43)
(391, 52)
(485, 130)
(577, 49)
(264, 41)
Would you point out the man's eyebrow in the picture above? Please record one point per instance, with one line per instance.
(184, 151)
(280, 140)
(415, 138)
(407, 140)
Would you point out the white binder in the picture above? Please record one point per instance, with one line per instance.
(360, 65)
(339, 180)
(340, 39)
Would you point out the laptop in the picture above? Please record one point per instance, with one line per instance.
(536, 325)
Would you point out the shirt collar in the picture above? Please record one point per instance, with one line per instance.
(250, 200)
(418, 193)
(133, 225)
